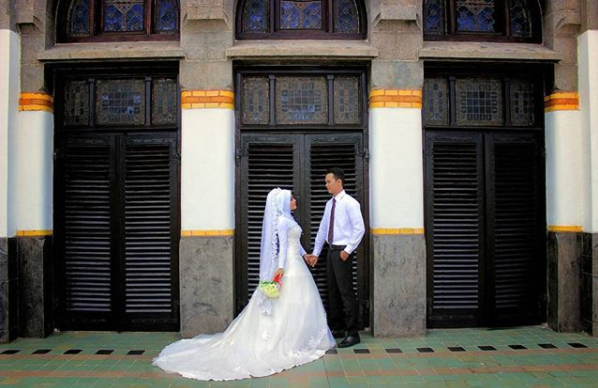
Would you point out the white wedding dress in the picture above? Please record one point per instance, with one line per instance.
(256, 344)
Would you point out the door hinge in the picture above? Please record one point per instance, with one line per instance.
(239, 153)
(365, 153)
(176, 156)
(58, 154)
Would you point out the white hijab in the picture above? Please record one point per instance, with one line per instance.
(278, 204)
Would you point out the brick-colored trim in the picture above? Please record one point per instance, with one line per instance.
(570, 228)
(207, 99)
(561, 101)
(32, 102)
(208, 233)
(388, 231)
(33, 233)
(395, 98)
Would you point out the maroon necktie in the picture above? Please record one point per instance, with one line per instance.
(331, 226)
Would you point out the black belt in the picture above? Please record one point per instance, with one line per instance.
(337, 247)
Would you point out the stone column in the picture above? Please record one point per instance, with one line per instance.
(588, 90)
(564, 180)
(207, 170)
(564, 183)
(9, 100)
(396, 171)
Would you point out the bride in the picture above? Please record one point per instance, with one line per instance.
(269, 335)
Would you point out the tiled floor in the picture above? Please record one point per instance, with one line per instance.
(515, 358)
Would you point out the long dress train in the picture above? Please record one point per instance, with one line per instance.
(255, 344)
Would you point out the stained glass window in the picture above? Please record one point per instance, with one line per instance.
(522, 103)
(120, 102)
(302, 100)
(346, 100)
(475, 15)
(521, 25)
(255, 16)
(479, 101)
(434, 17)
(491, 19)
(300, 15)
(346, 16)
(128, 18)
(166, 16)
(256, 100)
(263, 18)
(436, 101)
(79, 18)
(165, 105)
(76, 103)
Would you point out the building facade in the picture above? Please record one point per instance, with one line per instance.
(138, 140)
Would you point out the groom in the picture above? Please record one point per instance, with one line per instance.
(342, 227)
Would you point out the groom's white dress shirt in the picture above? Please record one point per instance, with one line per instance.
(349, 227)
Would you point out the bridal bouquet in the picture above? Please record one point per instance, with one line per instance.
(271, 288)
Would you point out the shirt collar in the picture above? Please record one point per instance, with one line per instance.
(339, 196)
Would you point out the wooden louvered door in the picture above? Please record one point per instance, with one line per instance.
(516, 228)
(117, 231)
(297, 162)
(484, 223)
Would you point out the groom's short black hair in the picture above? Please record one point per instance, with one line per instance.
(337, 172)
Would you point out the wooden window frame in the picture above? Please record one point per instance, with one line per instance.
(326, 32)
(96, 25)
(539, 75)
(358, 71)
(503, 20)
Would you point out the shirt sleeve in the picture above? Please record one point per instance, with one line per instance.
(283, 242)
(354, 213)
(321, 236)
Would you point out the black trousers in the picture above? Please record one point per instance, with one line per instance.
(340, 293)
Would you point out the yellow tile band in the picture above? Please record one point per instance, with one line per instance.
(208, 233)
(386, 231)
(207, 99)
(395, 98)
(557, 228)
(33, 233)
(561, 101)
(33, 102)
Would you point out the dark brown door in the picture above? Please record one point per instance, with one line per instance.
(117, 231)
(484, 228)
(297, 162)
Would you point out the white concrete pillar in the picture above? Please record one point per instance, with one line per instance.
(207, 211)
(9, 105)
(397, 213)
(33, 167)
(588, 93)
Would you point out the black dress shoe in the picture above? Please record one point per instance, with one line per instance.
(349, 340)
(338, 333)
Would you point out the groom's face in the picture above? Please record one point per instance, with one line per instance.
(333, 185)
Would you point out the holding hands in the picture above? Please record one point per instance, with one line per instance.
(310, 259)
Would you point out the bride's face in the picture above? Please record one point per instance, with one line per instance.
(293, 203)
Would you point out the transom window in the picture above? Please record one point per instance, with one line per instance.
(492, 20)
(512, 99)
(112, 20)
(297, 19)
(293, 99)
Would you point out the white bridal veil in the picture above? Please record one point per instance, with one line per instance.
(278, 204)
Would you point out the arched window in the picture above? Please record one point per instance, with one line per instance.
(489, 20)
(301, 19)
(117, 20)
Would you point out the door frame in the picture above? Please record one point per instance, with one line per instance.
(362, 70)
(56, 74)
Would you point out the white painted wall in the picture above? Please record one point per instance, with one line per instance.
(588, 93)
(396, 168)
(9, 105)
(33, 170)
(564, 177)
(207, 169)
